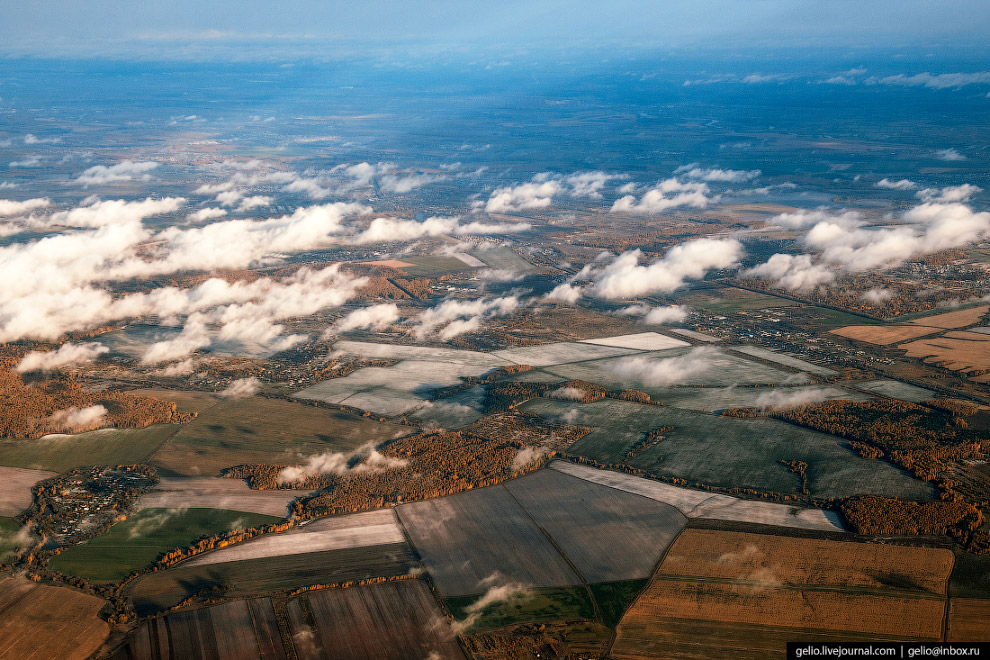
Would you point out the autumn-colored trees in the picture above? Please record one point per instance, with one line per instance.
(889, 516)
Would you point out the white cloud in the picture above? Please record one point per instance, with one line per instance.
(565, 293)
(949, 154)
(782, 398)
(498, 275)
(666, 371)
(364, 459)
(9, 207)
(949, 194)
(65, 355)
(797, 273)
(203, 215)
(96, 213)
(460, 316)
(939, 81)
(903, 184)
(375, 317)
(253, 202)
(567, 394)
(30, 161)
(127, 170)
(525, 457)
(659, 198)
(877, 296)
(181, 368)
(719, 175)
(79, 419)
(403, 183)
(625, 278)
(387, 230)
(669, 314)
(524, 197)
(242, 388)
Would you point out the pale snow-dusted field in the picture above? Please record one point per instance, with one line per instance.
(217, 493)
(15, 488)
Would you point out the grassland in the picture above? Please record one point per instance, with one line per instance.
(524, 607)
(731, 594)
(969, 620)
(606, 534)
(231, 631)
(48, 622)
(255, 430)
(185, 401)
(897, 390)
(15, 488)
(158, 591)
(139, 540)
(395, 620)
(970, 576)
(722, 451)
(217, 493)
(59, 453)
(8, 529)
(730, 300)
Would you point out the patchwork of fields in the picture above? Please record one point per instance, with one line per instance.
(725, 451)
(731, 594)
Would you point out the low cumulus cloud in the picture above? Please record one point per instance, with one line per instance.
(242, 388)
(539, 193)
(205, 214)
(692, 171)
(902, 184)
(949, 155)
(665, 372)
(66, 355)
(498, 590)
(375, 317)
(782, 398)
(365, 459)
(624, 277)
(668, 194)
(846, 243)
(387, 230)
(565, 293)
(96, 213)
(153, 522)
(74, 420)
(934, 81)
(454, 317)
(525, 457)
(11, 208)
(657, 315)
(949, 194)
(127, 170)
(877, 296)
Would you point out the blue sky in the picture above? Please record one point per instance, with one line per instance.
(246, 29)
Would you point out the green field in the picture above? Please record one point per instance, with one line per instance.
(158, 591)
(103, 447)
(970, 576)
(530, 605)
(8, 528)
(142, 538)
(614, 598)
(728, 452)
(259, 430)
(730, 300)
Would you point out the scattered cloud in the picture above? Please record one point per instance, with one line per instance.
(96, 213)
(74, 420)
(949, 155)
(365, 459)
(376, 317)
(453, 317)
(203, 215)
(877, 296)
(242, 388)
(716, 175)
(903, 184)
(127, 170)
(936, 81)
(66, 355)
(10, 207)
(668, 194)
(949, 194)
(666, 371)
(780, 398)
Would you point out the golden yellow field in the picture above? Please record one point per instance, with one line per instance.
(53, 623)
(959, 351)
(884, 335)
(957, 319)
(969, 620)
(733, 594)
(744, 557)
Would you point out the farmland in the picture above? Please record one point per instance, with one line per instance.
(952, 320)
(466, 538)
(15, 488)
(884, 335)
(700, 504)
(722, 451)
(231, 631)
(957, 351)
(897, 390)
(253, 430)
(249, 577)
(395, 620)
(338, 533)
(786, 360)
(524, 606)
(969, 620)
(59, 453)
(139, 540)
(216, 493)
(608, 535)
(730, 594)
(48, 622)
(8, 536)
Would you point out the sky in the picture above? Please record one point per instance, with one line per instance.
(259, 29)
